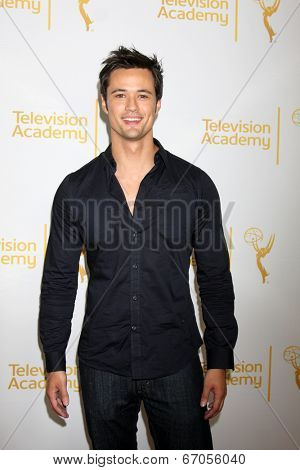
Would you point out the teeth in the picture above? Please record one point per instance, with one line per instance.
(131, 119)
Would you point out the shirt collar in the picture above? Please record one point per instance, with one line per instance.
(160, 154)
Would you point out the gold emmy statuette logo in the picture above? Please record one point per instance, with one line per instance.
(291, 354)
(252, 236)
(268, 11)
(296, 117)
(84, 14)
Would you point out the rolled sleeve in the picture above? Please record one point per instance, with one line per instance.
(214, 278)
(60, 278)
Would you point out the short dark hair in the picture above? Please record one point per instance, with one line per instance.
(124, 58)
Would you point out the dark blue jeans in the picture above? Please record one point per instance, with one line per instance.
(172, 403)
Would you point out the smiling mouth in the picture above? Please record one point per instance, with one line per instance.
(132, 121)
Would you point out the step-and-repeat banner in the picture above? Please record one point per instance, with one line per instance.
(231, 106)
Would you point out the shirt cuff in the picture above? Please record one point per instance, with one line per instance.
(219, 358)
(55, 361)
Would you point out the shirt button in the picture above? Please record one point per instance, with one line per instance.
(134, 234)
(134, 297)
(134, 265)
(133, 327)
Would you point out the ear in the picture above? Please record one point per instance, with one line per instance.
(103, 104)
(158, 105)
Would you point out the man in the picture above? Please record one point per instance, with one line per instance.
(139, 211)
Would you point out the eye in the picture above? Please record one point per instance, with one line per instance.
(122, 94)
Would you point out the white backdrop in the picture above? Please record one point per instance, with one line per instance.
(231, 105)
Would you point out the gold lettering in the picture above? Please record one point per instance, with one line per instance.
(33, 5)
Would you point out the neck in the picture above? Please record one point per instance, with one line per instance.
(133, 156)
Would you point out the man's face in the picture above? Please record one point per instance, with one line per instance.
(131, 94)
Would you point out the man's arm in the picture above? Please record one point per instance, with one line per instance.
(216, 292)
(58, 292)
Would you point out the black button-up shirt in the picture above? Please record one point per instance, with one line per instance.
(139, 319)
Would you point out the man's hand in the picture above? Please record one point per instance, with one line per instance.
(215, 382)
(57, 392)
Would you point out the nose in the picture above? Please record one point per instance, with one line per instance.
(131, 103)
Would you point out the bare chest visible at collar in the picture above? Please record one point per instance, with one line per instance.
(130, 189)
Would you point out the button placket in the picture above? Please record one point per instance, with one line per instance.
(137, 366)
(136, 350)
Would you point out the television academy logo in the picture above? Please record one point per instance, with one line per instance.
(26, 376)
(51, 125)
(264, 135)
(33, 6)
(15, 252)
(204, 11)
(252, 236)
(85, 16)
(212, 11)
(237, 133)
(296, 117)
(268, 10)
(291, 354)
(45, 7)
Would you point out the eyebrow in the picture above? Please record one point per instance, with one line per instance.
(123, 89)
